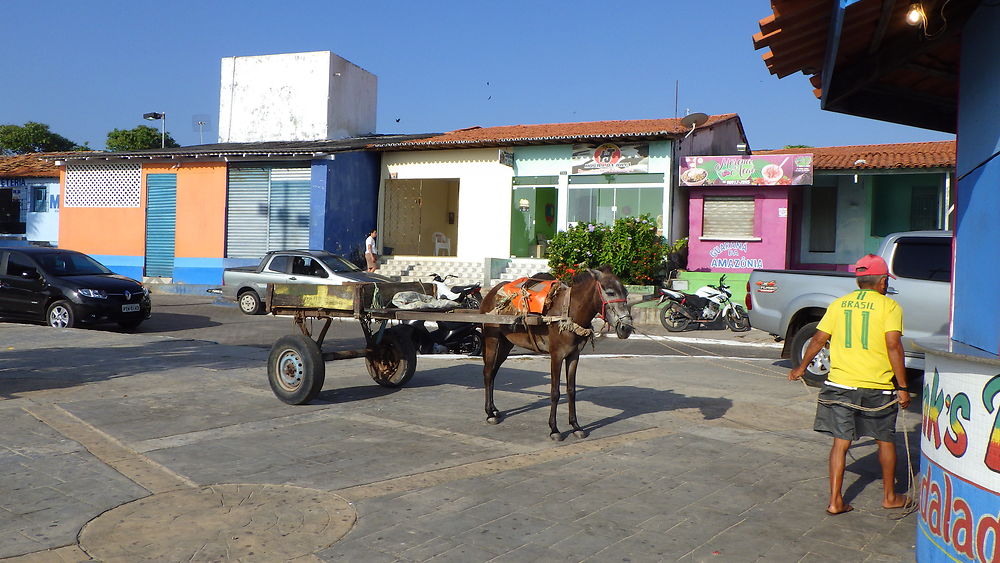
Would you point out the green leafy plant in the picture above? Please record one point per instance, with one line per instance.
(631, 247)
(32, 137)
(140, 138)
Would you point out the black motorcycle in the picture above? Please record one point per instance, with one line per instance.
(449, 336)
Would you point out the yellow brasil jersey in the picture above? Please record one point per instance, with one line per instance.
(857, 323)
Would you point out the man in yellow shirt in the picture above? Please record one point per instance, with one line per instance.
(864, 329)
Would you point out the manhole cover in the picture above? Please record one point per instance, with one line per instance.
(220, 522)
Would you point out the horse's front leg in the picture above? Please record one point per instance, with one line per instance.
(495, 350)
(555, 369)
(571, 362)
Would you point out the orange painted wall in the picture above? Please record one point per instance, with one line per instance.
(119, 231)
(201, 207)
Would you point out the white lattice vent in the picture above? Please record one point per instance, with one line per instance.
(103, 185)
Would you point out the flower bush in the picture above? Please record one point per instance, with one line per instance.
(631, 247)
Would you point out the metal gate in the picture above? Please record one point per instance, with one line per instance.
(161, 220)
(267, 209)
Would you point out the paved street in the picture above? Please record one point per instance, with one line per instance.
(129, 447)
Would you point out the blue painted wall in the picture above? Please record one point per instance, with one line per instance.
(978, 171)
(345, 209)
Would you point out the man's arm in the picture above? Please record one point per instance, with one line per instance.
(817, 343)
(894, 346)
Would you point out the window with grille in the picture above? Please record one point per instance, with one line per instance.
(103, 185)
(728, 217)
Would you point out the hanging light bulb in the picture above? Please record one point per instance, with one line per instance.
(915, 14)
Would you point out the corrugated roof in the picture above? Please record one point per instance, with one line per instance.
(553, 133)
(261, 149)
(935, 154)
(28, 165)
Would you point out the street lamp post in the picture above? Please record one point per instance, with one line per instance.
(153, 116)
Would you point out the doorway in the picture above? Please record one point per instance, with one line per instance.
(420, 217)
(532, 220)
(161, 220)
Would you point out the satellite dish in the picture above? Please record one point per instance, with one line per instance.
(693, 120)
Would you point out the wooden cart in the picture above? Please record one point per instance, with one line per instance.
(296, 366)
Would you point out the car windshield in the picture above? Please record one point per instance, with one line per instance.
(71, 264)
(338, 264)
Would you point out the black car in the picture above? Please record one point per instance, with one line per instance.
(64, 288)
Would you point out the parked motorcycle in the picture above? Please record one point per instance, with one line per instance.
(468, 296)
(707, 305)
(454, 337)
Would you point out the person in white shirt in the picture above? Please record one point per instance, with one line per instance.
(370, 257)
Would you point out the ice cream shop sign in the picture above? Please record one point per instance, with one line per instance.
(732, 255)
(764, 170)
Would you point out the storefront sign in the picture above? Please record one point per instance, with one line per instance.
(763, 170)
(506, 158)
(610, 158)
(11, 182)
(732, 256)
(960, 464)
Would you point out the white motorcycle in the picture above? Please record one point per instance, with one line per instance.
(469, 296)
(707, 305)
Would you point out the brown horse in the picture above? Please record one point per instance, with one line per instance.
(592, 293)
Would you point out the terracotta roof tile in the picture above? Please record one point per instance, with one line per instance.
(935, 154)
(553, 132)
(29, 165)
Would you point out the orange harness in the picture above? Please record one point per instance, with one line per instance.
(530, 295)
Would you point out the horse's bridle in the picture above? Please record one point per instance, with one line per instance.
(604, 304)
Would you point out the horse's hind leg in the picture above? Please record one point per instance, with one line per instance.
(495, 350)
(571, 362)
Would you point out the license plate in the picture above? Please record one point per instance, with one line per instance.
(130, 308)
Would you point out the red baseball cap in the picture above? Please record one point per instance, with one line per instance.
(872, 265)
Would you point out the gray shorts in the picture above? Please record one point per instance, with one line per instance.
(850, 424)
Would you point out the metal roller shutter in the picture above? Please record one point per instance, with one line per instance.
(728, 217)
(161, 219)
(288, 212)
(268, 209)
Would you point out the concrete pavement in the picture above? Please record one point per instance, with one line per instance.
(122, 447)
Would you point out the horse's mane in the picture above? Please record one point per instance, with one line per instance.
(590, 274)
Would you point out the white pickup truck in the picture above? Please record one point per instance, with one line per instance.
(789, 303)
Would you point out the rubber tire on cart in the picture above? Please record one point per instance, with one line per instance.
(393, 361)
(249, 302)
(820, 366)
(60, 315)
(737, 319)
(673, 319)
(295, 369)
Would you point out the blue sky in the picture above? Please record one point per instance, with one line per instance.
(88, 67)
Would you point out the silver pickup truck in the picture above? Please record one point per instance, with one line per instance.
(247, 285)
(789, 303)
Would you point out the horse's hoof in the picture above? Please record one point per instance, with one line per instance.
(493, 420)
(556, 436)
(580, 433)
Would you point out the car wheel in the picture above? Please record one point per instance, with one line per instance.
(249, 302)
(60, 315)
(819, 367)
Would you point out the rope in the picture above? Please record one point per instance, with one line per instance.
(911, 504)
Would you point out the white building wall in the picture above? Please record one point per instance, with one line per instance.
(483, 195)
(294, 97)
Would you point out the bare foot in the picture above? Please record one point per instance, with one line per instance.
(897, 501)
(835, 510)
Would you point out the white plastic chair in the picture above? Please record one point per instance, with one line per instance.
(442, 242)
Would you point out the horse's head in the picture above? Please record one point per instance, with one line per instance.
(614, 301)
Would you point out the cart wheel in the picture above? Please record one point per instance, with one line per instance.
(393, 361)
(295, 369)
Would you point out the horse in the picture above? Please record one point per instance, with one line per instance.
(591, 293)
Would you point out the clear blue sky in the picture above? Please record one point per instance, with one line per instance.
(85, 68)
